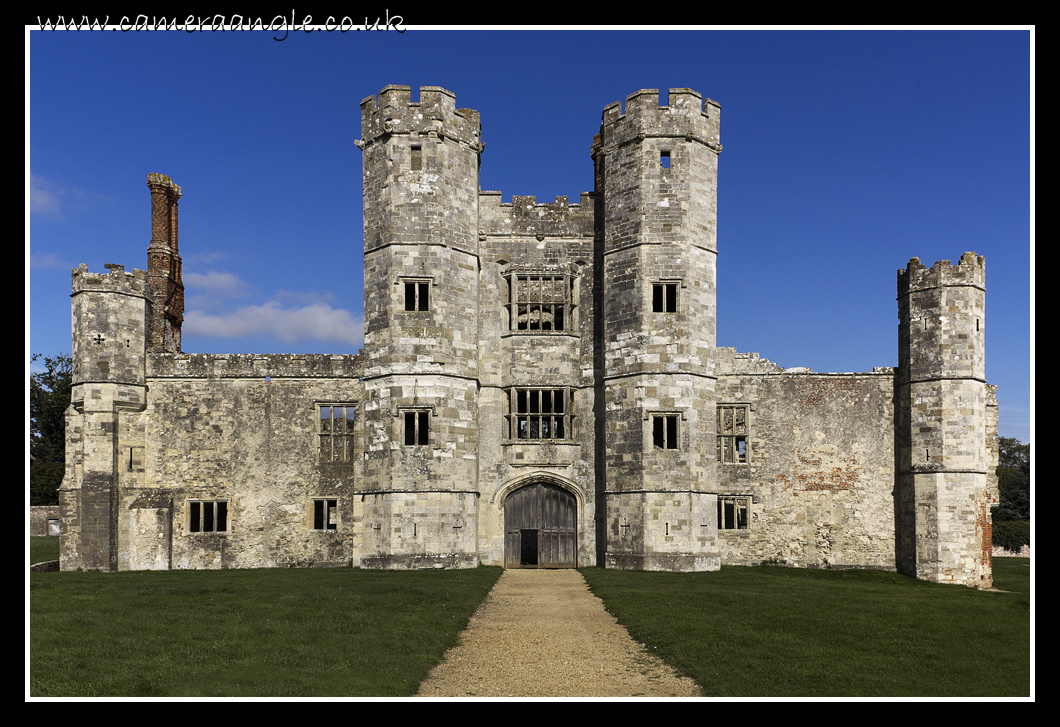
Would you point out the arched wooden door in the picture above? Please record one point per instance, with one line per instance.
(541, 528)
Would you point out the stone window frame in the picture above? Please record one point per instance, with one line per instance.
(739, 517)
(415, 422)
(204, 514)
(420, 289)
(730, 439)
(665, 430)
(529, 426)
(325, 514)
(562, 296)
(328, 436)
(666, 295)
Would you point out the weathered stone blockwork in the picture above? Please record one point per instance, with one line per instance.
(559, 357)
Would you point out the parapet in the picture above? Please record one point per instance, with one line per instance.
(393, 112)
(970, 271)
(115, 281)
(687, 114)
(527, 216)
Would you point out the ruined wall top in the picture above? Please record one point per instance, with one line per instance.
(393, 112)
(969, 271)
(117, 280)
(524, 215)
(687, 114)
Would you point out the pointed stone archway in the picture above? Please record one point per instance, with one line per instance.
(541, 527)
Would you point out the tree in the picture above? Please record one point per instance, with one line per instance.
(49, 397)
(1013, 480)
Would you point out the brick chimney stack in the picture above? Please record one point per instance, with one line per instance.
(163, 267)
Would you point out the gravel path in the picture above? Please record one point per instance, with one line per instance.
(541, 633)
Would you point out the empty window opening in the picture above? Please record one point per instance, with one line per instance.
(208, 516)
(664, 431)
(417, 295)
(540, 302)
(976, 325)
(335, 432)
(416, 427)
(664, 159)
(732, 433)
(325, 514)
(538, 414)
(733, 513)
(417, 157)
(664, 297)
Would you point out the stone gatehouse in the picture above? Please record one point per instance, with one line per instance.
(540, 386)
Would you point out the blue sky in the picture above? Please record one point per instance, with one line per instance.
(846, 153)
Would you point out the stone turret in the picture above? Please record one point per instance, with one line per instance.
(943, 405)
(657, 170)
(109, 321)
(421, 295)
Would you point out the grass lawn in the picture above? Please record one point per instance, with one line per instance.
(278, 633)
(773, 631)
(42, 548)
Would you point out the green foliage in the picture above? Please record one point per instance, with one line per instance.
(328, 632)
(49, 397)
(1014, 481)
(780, 632)
(1011, 534)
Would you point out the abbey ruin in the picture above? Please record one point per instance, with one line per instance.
(540, 386)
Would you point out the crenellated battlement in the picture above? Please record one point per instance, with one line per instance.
(969, 271)
(524, 215)
(393, 112)
(117, 280)
(687, 114)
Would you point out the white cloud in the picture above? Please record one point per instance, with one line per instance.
(316, 322)
(215, 284)
(44, 196)
(47, 261)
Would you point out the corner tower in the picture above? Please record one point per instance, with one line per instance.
(657, 173)
(943, 408)
(421, 272)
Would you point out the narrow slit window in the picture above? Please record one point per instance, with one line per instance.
(417, 157)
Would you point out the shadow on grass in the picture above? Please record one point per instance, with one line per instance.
(278, 633)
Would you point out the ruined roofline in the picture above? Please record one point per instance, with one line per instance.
(255, 365)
